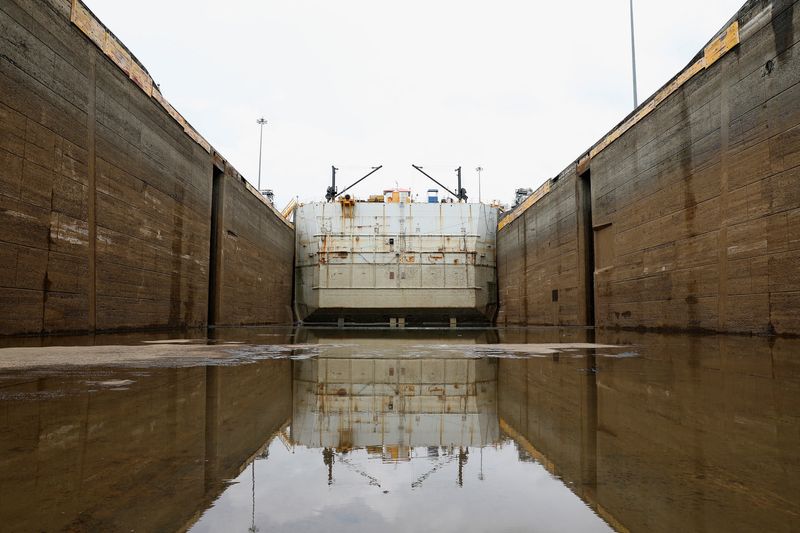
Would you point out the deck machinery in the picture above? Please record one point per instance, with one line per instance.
(393, 261)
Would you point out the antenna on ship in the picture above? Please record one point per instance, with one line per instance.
(462, 192)
(330, 194)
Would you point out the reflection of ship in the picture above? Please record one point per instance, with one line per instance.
(394, 343)
(390, 406)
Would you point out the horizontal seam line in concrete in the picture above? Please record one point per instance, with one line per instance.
(166, 250)
(766, 27)
(666, 134)
(168, 299)
(671, 214)
(23, 140)
(21, 383)
(741, 116)
(56, 251)
(45, 30)
(732, 119)
(772, 175)
(668, 157)
(187, 153)
(70, 293)
(737, 144)
(717, 196)
(38, 82)
(57, 173)
(167, 226)
(164, 170)
(695, 170)
(101, 260)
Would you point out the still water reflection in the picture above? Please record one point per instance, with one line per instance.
(510, 430)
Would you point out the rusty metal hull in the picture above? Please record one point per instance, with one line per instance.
(373, 262)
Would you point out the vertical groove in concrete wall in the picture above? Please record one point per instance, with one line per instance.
(722, 246)
(695, 204)
(252, 238)
(105, 190)
(91, 191)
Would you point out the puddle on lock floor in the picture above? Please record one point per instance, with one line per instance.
(417, 430)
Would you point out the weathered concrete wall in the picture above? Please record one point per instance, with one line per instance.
(540, 255)
(106, 196)
(695, 204)
(257, 260)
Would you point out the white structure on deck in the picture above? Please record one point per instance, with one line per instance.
(395, 262)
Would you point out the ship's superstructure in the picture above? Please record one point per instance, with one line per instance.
(395, 261)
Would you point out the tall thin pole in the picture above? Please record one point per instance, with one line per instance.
(460, 194)
(253, 528)
(479, 170)
(261, 123)
(633, 60)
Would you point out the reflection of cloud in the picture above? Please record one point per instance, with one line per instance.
(292, 495)
(341, 517)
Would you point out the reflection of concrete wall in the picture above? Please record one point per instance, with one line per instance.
(699, 433)
(718, 415)
(375, 402)
(244, 404)
(548, 401)
(146, 459)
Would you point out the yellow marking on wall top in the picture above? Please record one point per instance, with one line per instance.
(91, 27)
(718, 47)
(85, 21)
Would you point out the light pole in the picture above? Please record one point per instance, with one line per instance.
(261, 122)
(253, 528)
(479, 170)
(633, 61)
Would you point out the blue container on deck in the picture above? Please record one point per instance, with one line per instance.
(433, 196)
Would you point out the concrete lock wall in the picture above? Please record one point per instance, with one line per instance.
(106, 194)
(687, 214)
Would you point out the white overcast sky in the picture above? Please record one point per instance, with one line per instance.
(520, 88)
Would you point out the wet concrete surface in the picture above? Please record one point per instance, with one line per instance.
(282, 429)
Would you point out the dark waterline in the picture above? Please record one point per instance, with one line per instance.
(419, 430)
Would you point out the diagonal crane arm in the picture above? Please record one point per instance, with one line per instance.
(370, 173)
(461, 194)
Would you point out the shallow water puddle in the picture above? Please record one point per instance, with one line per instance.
(430, 430)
